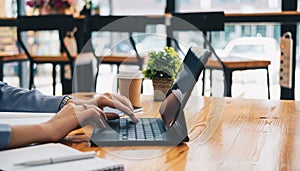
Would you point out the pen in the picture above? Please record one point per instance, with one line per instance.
(51, 160)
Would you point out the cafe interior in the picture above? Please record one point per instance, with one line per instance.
(243, 111)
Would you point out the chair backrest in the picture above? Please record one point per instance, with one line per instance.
(45, 22)
(61, 23)
(130, 24)
(198, 21)
(204, 21)
(107, 23)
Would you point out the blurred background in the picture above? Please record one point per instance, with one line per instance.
(249, 40)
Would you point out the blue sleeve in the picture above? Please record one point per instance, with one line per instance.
(5, 132)
(14, 99)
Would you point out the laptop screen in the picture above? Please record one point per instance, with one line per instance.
(178, 95)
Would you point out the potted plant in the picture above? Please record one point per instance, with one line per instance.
(50, 6)
(162, 68)
(36, 4)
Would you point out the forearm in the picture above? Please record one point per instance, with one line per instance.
(53, 130)
(18, 99)
(27, 134)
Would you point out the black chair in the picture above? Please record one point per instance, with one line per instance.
(60, 23)
(235, 63)
(108, 24)
(214, 21)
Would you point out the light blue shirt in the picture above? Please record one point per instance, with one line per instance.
(5, 131)
(13, 99)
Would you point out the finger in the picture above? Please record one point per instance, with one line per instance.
(77, 138)
(79, 108)
(101, 112)
(112, 116)
(86, 107)
(123, 100)
(101, 124)
(92, 115)
(101, 119)
(133, 118)
(122, 107)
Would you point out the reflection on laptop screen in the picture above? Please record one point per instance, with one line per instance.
(170, 108)
(176, 99)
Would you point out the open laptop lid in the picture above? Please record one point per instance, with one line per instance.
(171, 109)
(178, 95)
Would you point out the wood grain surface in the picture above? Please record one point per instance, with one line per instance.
(12, 57)
(234, 62)
(225, 134)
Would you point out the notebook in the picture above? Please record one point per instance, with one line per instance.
(11, 157)
(170, 129)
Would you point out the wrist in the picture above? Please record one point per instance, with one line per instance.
(45, 133)
(70, 101)
(66, 100)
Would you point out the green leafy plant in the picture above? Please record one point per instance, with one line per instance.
(162, 64)
(54, 4)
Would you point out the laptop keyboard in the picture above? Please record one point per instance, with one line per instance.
(146, 129)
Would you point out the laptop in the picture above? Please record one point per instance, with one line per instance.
(170, 128)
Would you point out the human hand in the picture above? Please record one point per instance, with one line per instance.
(71, 117)
(66, 120)
(113, 101)
(116, 101)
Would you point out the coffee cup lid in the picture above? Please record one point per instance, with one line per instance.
(130, 74)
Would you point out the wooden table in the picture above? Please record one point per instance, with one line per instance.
(225, 134)
(6, 58)
(233, 63)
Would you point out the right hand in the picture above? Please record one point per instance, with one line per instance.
(62, 123)
(71, 117)
(117, 101)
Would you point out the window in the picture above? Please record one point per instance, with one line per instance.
(138, 7)
(240, 49)
(8, 8)
(297, 77)
(229, 6)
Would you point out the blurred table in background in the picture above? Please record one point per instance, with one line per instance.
(233, 63)
(6, 58)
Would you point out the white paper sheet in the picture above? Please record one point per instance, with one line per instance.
(24, 118)
(11, 157)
